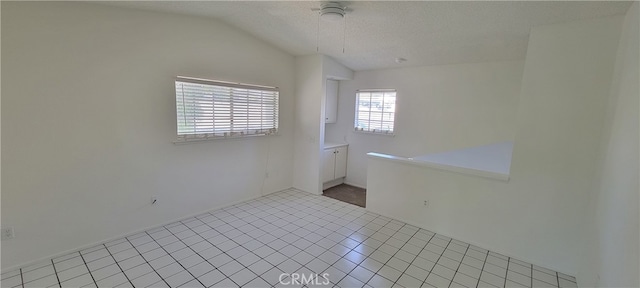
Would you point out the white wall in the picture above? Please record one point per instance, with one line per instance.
(312, 71)
(334, 70)
(308, 115)
(613, 226)
(539, 215)
(439, 108)
(88, 121)
(566, 84)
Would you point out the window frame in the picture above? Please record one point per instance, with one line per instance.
(270, 130)
(357, 104)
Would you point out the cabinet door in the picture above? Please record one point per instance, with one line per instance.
(331, 102)
(328, 164)
(341, 162)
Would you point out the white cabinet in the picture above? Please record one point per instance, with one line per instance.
(331, 102)
(328, 165)
(334, 163)
(341, 163)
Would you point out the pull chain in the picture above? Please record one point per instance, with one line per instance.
(318, 35)
(344, 32)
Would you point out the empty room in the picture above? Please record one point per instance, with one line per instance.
(320, 144)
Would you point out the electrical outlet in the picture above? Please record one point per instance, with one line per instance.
(154, 200)
(426, 203)
(7, 233)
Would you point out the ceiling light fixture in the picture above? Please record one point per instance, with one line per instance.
(333, 12)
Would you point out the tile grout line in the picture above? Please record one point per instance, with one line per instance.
(54, 272)
(223, 252)
(469, 248)
(400, 249)
(85, 264)
(341, 257)
(22, 278)
(114, 259)
(243, 233)
(425, 247)
(334, 231)
(382, 243)
(338, 243)
(485, 257)
(239, 245)
(351, 249)
(147, 262)
(459, 264)
(323, 237)
(264, 244)
(441, 255)
(516, 272)
(331, 230)
(531, 274)
(482, 269)
(506, 272)
(165, 250)
(313, 243)
(434, 263)
(377, 249)
(506, 269)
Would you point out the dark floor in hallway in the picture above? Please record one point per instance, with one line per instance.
(347, 193)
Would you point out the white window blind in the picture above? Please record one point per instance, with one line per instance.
(375, 111)
(208, 109)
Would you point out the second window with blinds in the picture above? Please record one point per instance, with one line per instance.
(375, 111)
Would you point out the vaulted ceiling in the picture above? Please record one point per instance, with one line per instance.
(425, 33)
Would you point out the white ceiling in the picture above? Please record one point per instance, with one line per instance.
(425, 33)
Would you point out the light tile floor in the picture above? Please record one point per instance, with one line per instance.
(251, 244)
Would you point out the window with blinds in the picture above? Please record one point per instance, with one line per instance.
(375, 111)
(208, 109)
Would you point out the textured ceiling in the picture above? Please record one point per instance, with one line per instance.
(425, 33)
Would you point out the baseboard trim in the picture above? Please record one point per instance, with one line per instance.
(356, 185)
(332, 183)
(28, 263)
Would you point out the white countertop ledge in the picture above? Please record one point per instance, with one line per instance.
(489, 161)
(329, 145)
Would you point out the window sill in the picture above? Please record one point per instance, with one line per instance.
(374, 133)
(214, 139)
